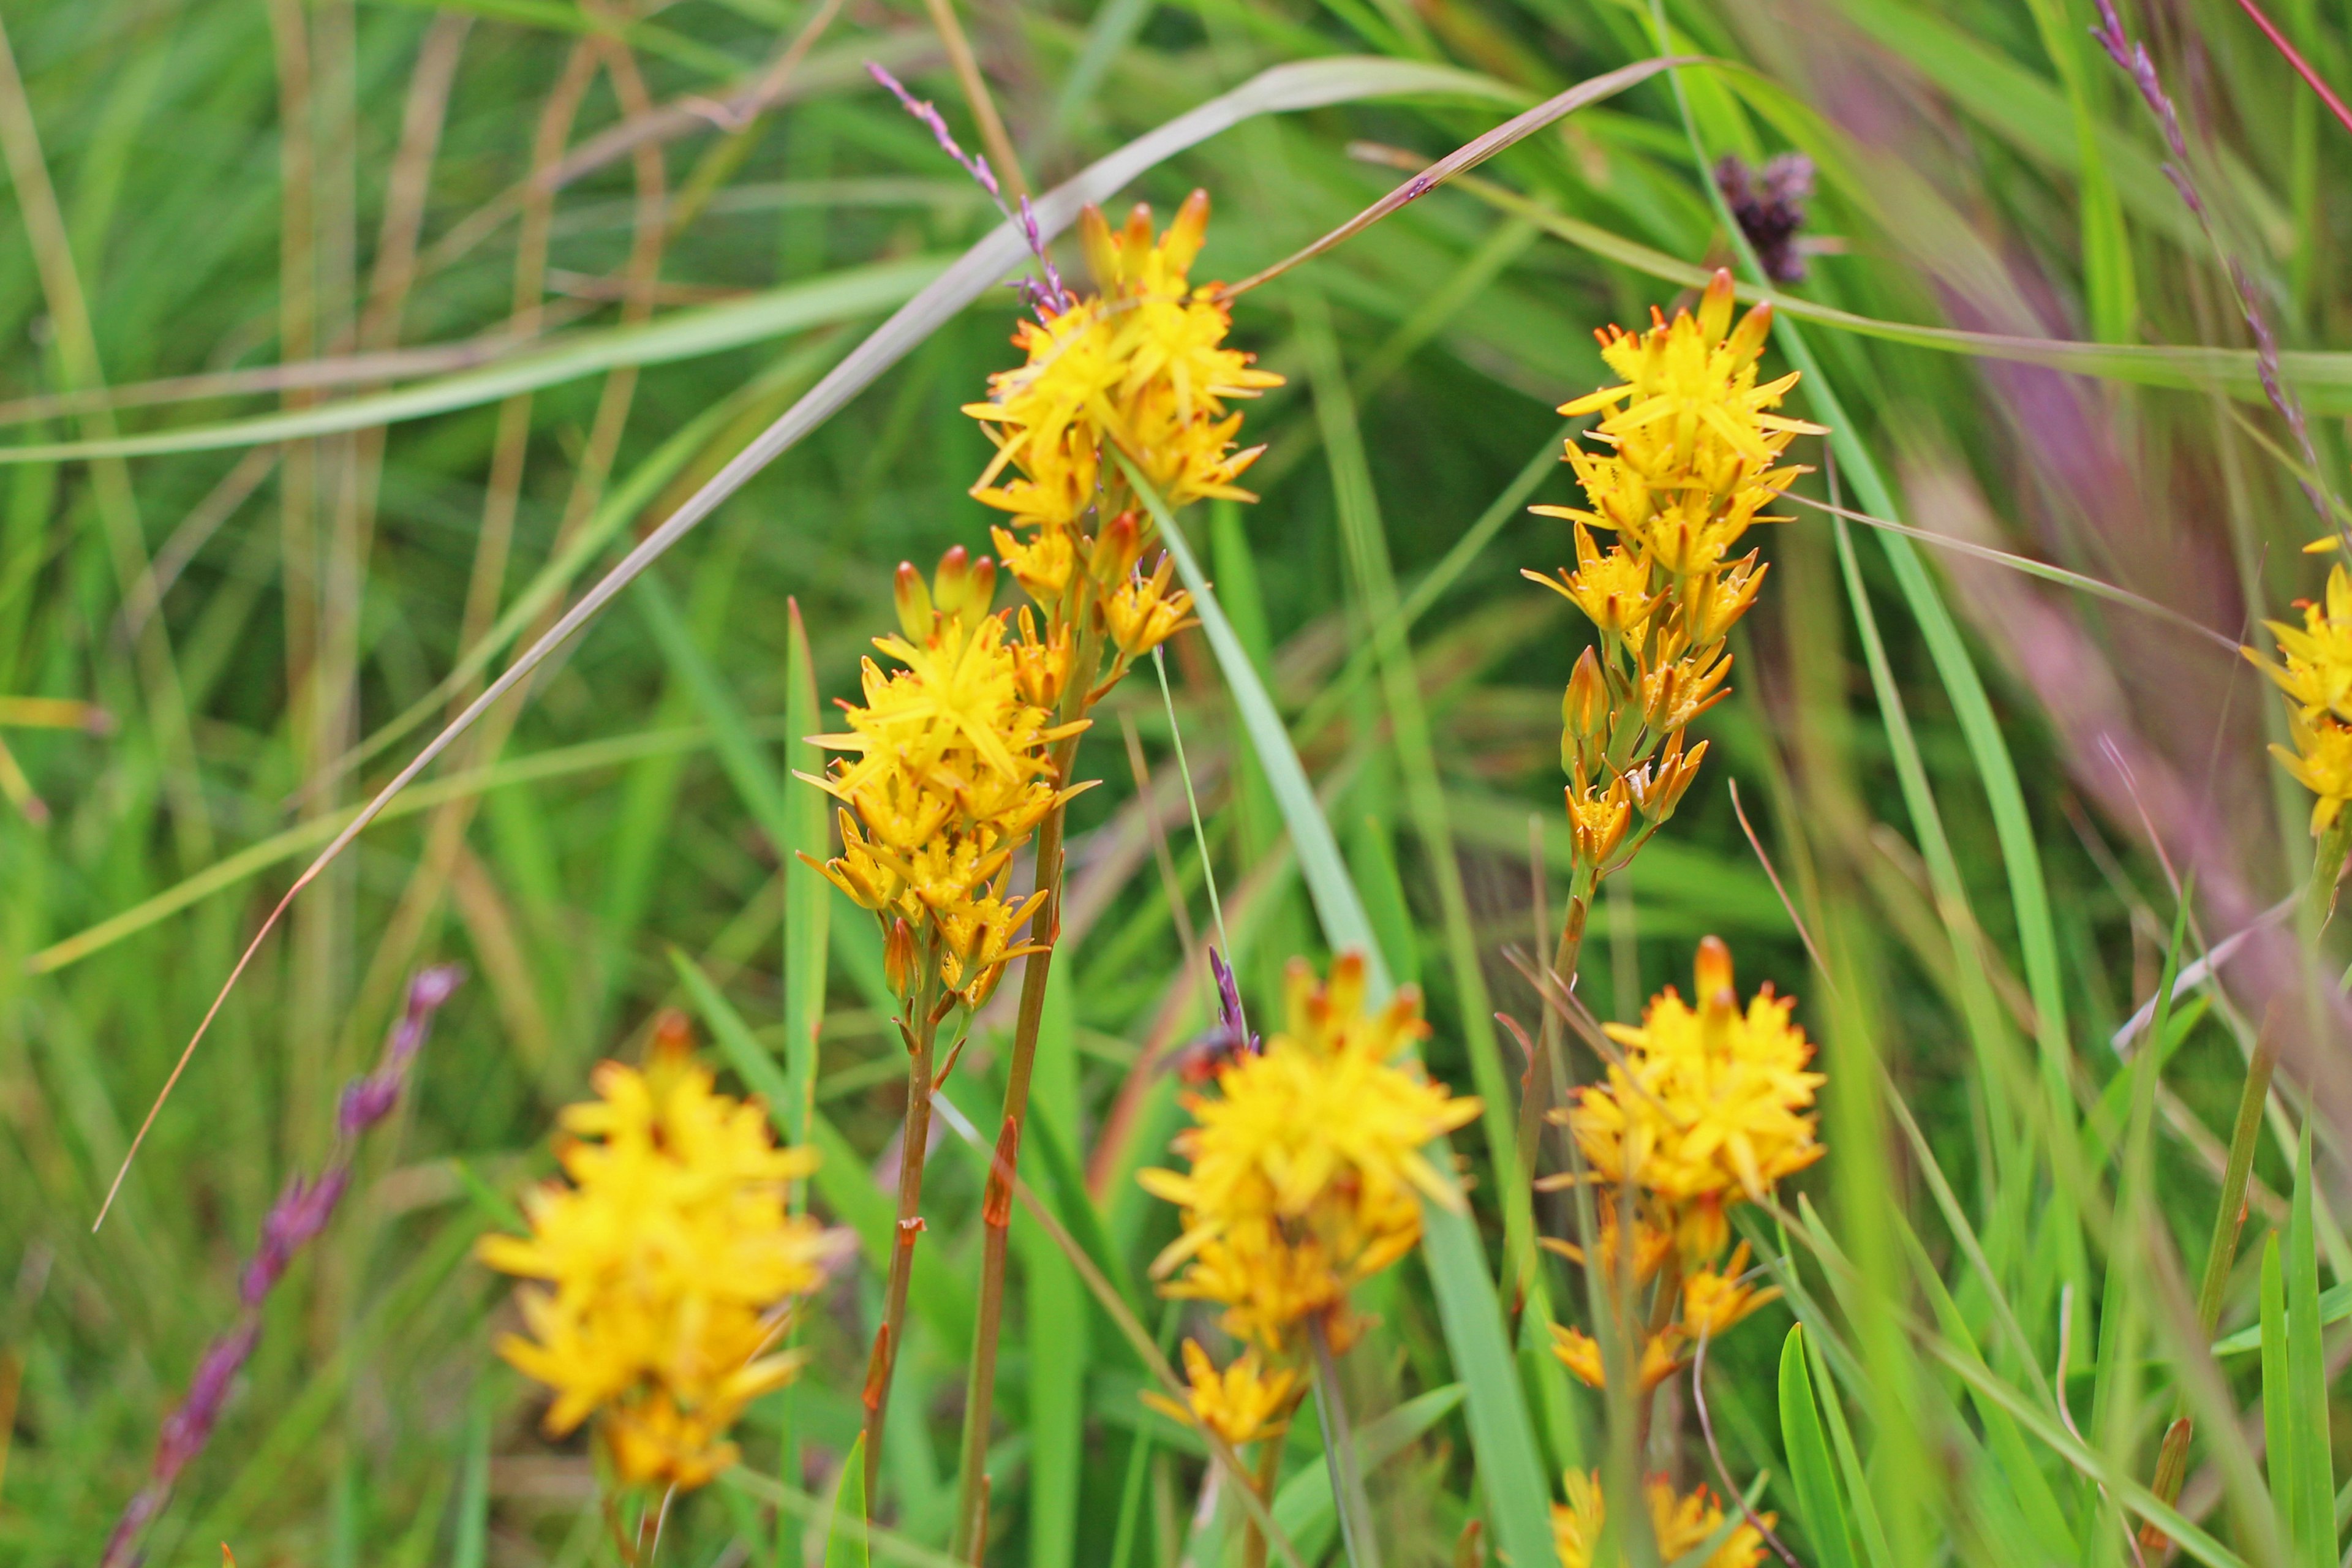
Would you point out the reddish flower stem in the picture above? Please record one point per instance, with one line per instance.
(2302, 66)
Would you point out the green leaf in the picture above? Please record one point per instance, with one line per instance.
(844, 1531)
(1303, 1505)
(1811, 1472)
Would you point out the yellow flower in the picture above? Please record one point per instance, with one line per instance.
(1580, 1353)
(1597, 819)
(1681, 1524)
(949, 769)
(672, 1260)
(1687, 443)
(1142, 614)
(1651, 1243)
(1715, 1299)
(1689, 436)
(2317, 674)
(1241, 1405)
(1142, 364)
(1709, 1106)
(2321, 762)
(1305, 1167)
(1613, 590)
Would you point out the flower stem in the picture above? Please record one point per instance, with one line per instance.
(1339, 1454)
(1531, 1102)
(921, 1027)
(996, 1203)
(1269, 1472)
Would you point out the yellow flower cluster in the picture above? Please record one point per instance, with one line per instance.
(1681, 1525)
(1245, 1402)
(1708, 1107)
(2316, 678)
(1307, 1174)
(1688, 446)
(673, 1262)
(1140, 365)
(949, 772)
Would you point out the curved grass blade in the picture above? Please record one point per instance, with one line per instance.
(1469, 155)
(689, 334)
(256, 859)
(1309, 85)
(2325, 376)
(1811, 1469)
(1501, 1434)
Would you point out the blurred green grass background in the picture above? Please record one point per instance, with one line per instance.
(411, 317)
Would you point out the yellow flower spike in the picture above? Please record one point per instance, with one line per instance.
(671, 1259)
(1715, 1299)
(1306, 1173)
(1681, 1524)
(1241, 1405)
(1141, 364)
(1709, 1107)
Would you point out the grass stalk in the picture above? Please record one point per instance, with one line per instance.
(1356, 1527)
(996, 1202)
(919, 1028)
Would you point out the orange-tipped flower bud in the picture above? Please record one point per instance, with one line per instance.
(1715, 306)
(1119, 548)
(1583, 715)
(899, 957)
(914, 601)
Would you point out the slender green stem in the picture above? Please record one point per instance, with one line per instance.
(970, 1533)
(2229, 1220)
(1531, 1101)
(1339, 1454)
(922, 1027)
(1263, 1482)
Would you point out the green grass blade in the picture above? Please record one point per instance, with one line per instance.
(2280, 1448)
(2311, 1498)
(844, 1530)
(796, 306)
(808, 896)
(1813, 1473)
(1303, 1505)
(470, 1546)
(1056, 1320)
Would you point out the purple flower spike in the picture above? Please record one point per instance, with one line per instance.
(2131, 57)
(922, 108)
(188, 1429)
(1229, 1005)
(1049, 299)
(294, 1221)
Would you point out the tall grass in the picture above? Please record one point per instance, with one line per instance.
(353, 344)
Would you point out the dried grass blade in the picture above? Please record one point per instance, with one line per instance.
(1469, 155)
